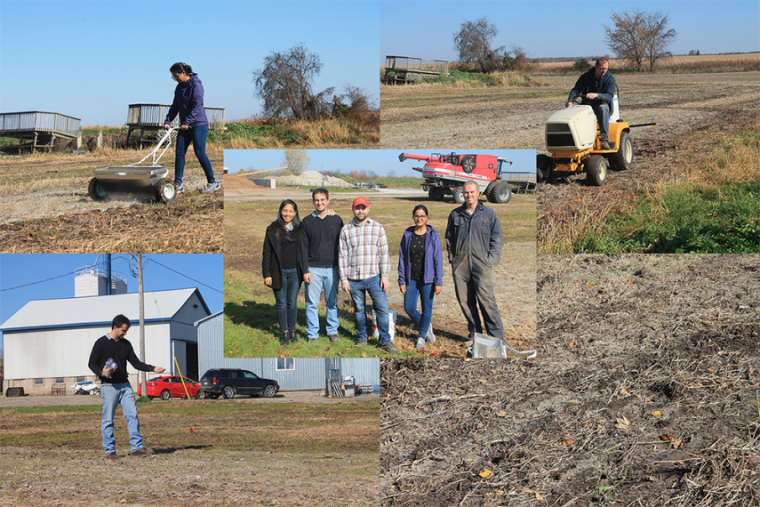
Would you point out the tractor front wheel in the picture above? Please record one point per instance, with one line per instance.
(596, 170)
(544, 166)
(458, 193)
(96, 190)
(622, 159)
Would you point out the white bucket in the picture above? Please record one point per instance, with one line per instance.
(391, 324)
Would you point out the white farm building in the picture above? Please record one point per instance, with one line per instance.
(47, 343)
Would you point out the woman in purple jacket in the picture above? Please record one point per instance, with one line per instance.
(420, 272)
(188, 102)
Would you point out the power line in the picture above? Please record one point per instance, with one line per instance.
(182, 274)
(41, 281)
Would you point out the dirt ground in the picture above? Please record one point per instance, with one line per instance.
(45, 208)
(644, 392)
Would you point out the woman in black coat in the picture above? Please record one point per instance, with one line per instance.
(281, 268)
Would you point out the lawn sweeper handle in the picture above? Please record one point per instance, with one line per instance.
(166, 138)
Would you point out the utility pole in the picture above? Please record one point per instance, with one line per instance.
(143, 382)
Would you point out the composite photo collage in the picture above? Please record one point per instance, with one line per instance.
(380, 253)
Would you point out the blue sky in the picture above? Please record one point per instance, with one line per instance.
(24, 269)
(378, 161)
(554, 29)
(91, 60)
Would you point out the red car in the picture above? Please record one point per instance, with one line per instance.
(170, 387)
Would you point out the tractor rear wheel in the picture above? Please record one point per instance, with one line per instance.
(623, 158)
(458, 193)
(501, 193)
(544, 166)
(468, 164)
(165, 190)
(436, 193)
(596, 170)
(489, 189)
(95, 190)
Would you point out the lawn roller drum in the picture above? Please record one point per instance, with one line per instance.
(135, 178)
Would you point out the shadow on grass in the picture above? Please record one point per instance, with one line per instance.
(172, 450)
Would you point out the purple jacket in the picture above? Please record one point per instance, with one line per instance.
(188, 101)
(432, 271)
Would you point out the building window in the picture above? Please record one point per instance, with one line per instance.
(39, 381)
(80, 379)
(285, 363)
(59, 380)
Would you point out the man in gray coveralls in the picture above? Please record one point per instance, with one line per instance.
(473, 241)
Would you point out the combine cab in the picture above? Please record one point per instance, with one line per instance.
(446, 175)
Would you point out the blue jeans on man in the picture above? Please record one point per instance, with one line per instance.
(112, 395)
(602, 112)
(425, 292)
(359, 289)
(327, 278)
(197, 137)
(286, 300)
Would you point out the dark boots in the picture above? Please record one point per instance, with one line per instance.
(293, 337)
(284, 339)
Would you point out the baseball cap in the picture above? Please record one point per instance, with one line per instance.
(360, 200)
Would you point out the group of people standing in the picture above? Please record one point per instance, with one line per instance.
(325, 254)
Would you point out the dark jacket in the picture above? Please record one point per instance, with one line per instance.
(478, 235)
(120, 351)
(587, 84)
(188, 101)
(432, 271)
(271, 261)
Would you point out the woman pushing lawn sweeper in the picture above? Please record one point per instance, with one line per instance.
(188, 102)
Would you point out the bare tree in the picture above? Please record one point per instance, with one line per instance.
(285, 84)
(658, 37)
(639, 36)
(295, 160)
(473, 41)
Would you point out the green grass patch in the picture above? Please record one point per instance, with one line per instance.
(8, 411)
(686, 219)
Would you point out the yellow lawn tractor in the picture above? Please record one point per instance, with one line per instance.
(574, 141)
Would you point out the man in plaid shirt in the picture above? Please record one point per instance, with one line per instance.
(365, 267)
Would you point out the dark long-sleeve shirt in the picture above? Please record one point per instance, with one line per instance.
(587, 83)
(188, 102)
(120, 351)
(477, 235)
(319, 241)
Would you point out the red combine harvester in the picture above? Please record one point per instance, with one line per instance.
(447, 174)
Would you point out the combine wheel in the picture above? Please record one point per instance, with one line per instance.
(623, 158)
(436, 193)
(458, 193)
(596, 170)
(96, 190)
(468, 164)
(544, 166)
(489, 189)
(165, 190)
(501, 193)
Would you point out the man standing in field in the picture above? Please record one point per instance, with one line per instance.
(598, 86)
(319, 249)
(473, 242)
(365, 267)
(108, 360)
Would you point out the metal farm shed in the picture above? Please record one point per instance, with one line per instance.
(40, 127)
(48, 342)
(293, 374)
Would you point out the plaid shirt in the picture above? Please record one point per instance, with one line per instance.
(363, 251)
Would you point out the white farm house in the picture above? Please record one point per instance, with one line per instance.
(48, 342)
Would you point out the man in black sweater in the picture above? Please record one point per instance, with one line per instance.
(320, 232)
(108, 360)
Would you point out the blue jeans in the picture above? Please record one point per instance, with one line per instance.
(602, 112)
(327, 277)
(359, 289)
(426, 292)
(197, 137)
(113, 395)
(286, 299)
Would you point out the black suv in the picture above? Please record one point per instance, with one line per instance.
(229, 382)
